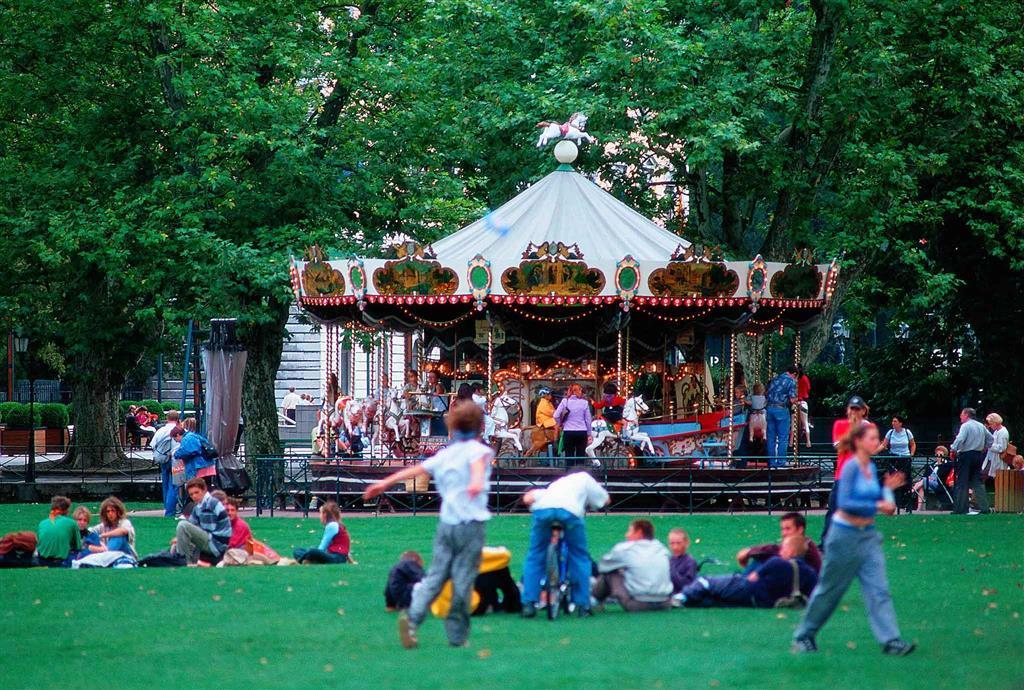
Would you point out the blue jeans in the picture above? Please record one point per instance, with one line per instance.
(778, 435)
(726, 591)
(318, 556)
(169, 489)
(852, 553)
(575, 536)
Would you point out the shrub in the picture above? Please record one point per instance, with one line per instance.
(16, 416)
(5, 409)
(54, 415)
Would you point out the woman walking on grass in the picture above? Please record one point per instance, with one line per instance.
(854, 549)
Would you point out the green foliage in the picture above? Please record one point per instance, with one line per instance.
(16, 415)
(53, 415)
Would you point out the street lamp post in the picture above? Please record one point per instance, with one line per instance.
(21, 347)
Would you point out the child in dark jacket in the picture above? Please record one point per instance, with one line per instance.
(402, 578)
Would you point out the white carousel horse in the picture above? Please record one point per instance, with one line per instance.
(601, 431)
(631, 412)
(499, 413)
(573, 130)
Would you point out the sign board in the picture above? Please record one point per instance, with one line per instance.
(480, 338)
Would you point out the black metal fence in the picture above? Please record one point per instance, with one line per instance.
(299, 483)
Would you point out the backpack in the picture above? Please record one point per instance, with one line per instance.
(209, 451)
(796, 599)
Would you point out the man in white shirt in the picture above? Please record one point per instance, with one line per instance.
(565, 501)
(289, 403)
(636, 571)
(163, 450)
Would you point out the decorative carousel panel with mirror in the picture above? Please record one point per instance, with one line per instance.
(553, 269)
(414, 271)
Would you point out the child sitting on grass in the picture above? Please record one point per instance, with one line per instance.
(58, 535)
(401, 580)
(334, 545)
(90, 540)
(461, 473)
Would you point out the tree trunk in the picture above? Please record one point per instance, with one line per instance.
(264, 343)
(96, 416)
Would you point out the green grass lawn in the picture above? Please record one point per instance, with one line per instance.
(957, 584)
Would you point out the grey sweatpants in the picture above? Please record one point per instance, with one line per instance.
(456, 557)
(192, 542)
(849, 553)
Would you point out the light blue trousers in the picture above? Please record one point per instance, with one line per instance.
(850, 553)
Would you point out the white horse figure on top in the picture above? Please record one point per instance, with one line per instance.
(573, 130)
(499, 413)
(631, 412)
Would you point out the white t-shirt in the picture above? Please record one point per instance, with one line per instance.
(291, 400)
(450, 468)
(899, 441)
(576, 493)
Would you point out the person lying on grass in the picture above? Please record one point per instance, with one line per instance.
(334, 545)
(402, 577)
(207, 530)
(760, 588)
(790, 525)
(461, 475)
(636, 571)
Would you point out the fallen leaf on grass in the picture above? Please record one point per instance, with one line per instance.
(564, 641)
(706, 634)
(37, 602)
(988, 592)
(781, 615)
(263, 661)
(216, 597)
(239, 590)
(979, 632)
(714, 682)
(484, 654)
(844, 607)
(341, 612)
(289, 589)
(151, 592)
(328, 668)
(901, 557)
(993, 605)
(1016, 614)
(67, 614)
(851, 645)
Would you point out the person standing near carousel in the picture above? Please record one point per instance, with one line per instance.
(856, 416)
(854, 549)
(573, 417)
(415, 401)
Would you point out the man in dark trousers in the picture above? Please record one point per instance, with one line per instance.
(969, 448)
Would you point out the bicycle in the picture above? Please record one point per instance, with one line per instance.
(557, 586)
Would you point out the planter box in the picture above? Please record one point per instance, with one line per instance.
(15, 441)
(57, 440)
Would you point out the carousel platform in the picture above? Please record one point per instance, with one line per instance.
(681, 485)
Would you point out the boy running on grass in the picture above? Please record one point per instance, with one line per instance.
(461, 474)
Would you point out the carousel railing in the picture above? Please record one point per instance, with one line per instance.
(688, 487)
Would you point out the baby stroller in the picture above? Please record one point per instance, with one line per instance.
(932, 489)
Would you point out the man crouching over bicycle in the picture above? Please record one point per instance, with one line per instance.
(564, 502)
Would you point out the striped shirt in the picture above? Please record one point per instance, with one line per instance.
(210, 516)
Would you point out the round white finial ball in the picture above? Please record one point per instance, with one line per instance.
(566, 151)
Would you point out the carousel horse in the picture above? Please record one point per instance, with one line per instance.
(499, 413)
(573, 130)
(539, 439)
(601, 431)
(631, 412)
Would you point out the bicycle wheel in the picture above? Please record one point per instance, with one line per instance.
(552, 582)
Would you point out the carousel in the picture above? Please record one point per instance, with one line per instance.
(563, 285)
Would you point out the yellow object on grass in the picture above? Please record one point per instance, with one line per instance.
(491, 558)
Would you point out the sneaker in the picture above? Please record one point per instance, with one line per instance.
(898, 647)
(804, 645)
(407, 631)
(584, 612)
(529, 610)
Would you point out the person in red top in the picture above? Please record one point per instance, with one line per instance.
(856, 414)
(334, 545)
(803, 396)
(241, 535)
(610, 406)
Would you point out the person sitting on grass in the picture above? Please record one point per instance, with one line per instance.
(241, 535)
(58, 535)
(761, 588)
(682, 567)
(401, 579)
(334, 545)
(790, 525)
(206, 532)
(564, 501)
(636, 572)
(461, 473)
(90, 539)
(115, 529)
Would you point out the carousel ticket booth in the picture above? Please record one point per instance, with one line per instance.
(564, 284)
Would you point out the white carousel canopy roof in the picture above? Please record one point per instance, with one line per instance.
(562, 207)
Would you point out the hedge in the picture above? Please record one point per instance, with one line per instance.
(54, 415)
(15, 415)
